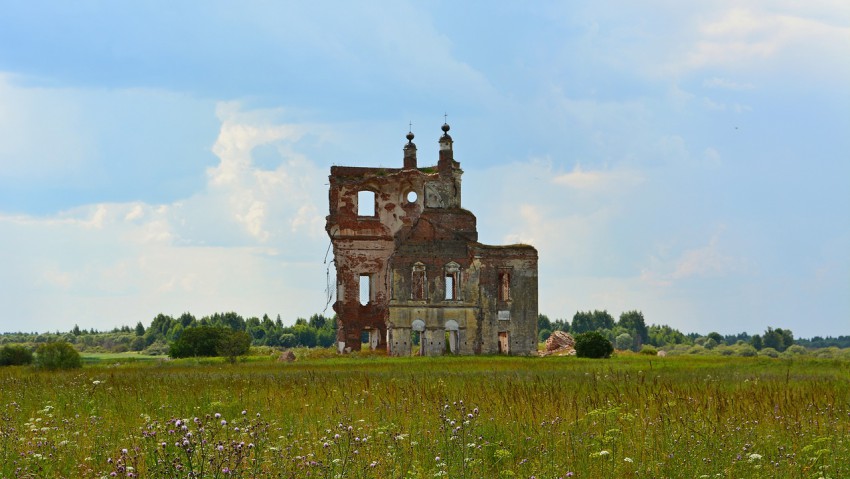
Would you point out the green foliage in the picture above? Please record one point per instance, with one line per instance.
(593, 344)
(769, 352)
(664, 336)
(795, 350)
(648, 350)
(746, 350)
(587, 321)
(207, 341)
(233, 344)
(624, 341)
(15, 355)
(543, 322)
(634, 323)
(778, 339)
(197, 342)
(57, 355)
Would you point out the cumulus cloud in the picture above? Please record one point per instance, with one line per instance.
(747, 36)
(249, 242)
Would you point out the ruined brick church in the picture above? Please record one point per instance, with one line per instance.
(410, 269)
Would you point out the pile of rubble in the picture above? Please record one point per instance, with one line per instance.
(559, 343)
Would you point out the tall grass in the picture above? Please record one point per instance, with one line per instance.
(426, 417)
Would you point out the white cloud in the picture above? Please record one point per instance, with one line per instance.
(747, 37)
(600, 180)
(117, 263)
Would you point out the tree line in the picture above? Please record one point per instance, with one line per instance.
(628, 332)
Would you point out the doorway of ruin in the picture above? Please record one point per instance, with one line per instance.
(418, 327)
(504, 343)
(451, 336)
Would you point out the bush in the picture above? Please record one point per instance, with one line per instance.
(795, 350)
(593, 344)
(233, 344)
(15, 355)
(210, 341)
(746, 350)
(57, 355)
(624, 341)
(198, 341)
(648, 350)
(769, 352)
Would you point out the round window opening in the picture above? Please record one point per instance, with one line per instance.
(412, 197)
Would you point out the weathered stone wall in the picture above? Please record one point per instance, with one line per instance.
(419, 224)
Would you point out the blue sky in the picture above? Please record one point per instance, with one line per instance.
(689, 160)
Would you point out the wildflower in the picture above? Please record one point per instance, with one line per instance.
(628, 459)
(223, 422)
(217, 415)
(244, 412)
(437, 459)
(754, 457)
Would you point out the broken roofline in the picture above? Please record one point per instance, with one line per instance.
(377, 171)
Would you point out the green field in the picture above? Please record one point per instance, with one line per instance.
(629, 416)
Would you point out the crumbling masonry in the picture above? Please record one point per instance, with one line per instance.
(410, 269)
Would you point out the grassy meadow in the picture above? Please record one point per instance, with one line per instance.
(370, 416)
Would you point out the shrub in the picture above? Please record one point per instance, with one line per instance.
(198, 341)
(233, 344)
(795, 350)
(593, 344)
(746, 350)
(57, 355)
(15, 355)
(769, 352)
(210, 341)
(624, 341)
(648, 350)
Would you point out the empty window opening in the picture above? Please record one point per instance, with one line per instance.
(418, 282)
(504, 285)
(411, 197)
(452, 281)
(365, 203)
(365, 289)
(450, 287)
